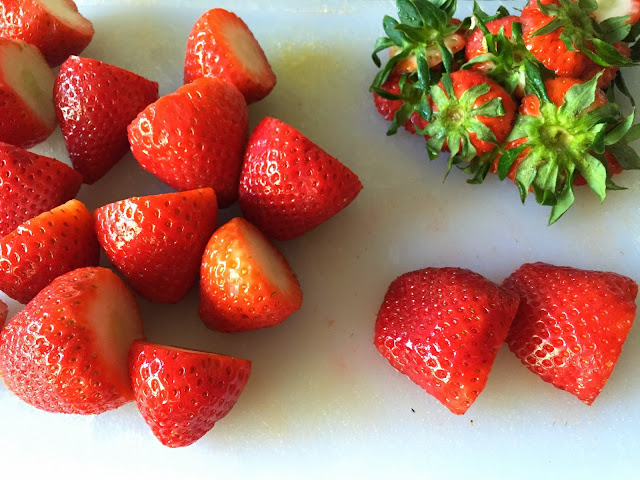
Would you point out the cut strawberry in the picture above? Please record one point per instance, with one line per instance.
(95, 102)
(182, 393)
(628, 9)
(245, 282)
(289, 185)
(55, 27)
(571, 324)
(157, 242)
(221, 45)
(26, 94)
(45, 247)
(31, 184)
(67, 350)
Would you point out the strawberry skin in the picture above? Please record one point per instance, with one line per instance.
(28, 116)
(443, 327)
(245, 282)
(221, 45)
(214, 117)
(4, 310)
(67, 350)
(288, 184)
(571, 324)
(56, 28)
(95, 102)
(31, 184)
(157, 241)
(39, 250)
(182, 393)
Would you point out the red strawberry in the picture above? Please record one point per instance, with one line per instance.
(389, 107)
(194, 138)
(4, 310)
(221, 45)
(245, 283)
(608, 74)
(618, 8)
(67, 350)
(45, 247)
(182, 393)
(95, 102)
(454, 40)
(54, 26)
(289, 185)
(571, 324)
(31, 184)
(28, 116)
(443, 327)
(157, 242)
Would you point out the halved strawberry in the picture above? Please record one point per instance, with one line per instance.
(182, 393)
(67, 350)
(288, 184)
(95, 102)
(221, 45)
(45, 247)
(26, 94)
(31, 184)
(157, 241)
(245, 282)
(55, 27)
(628, 9)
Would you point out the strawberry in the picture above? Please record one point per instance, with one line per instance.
(26, 94)
(221, 45)
(4, 310)
(607, 9)
(31, 184)
(571, 324)
(288, 184)
(194, 138)
(395, 101)
(54, 26)
(607, 74)
(182, 393)
(245, 282)
(157, 241)
(565, 134)
(95, 102)
(443, 327)
(45, 247)
(67, 350)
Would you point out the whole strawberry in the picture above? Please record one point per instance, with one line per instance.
(182, 393)
(31, 184)
(245, 282)
(571, 324)
(4, 310)
(28, 116)
(39, 250)
(67, 350)
(157, 241)
(95, 102)
(288, 184)
(443, 327)
(56, 28)
(221, 45)
(194, 138)
(398, 102)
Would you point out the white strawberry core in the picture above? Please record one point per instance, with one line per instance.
(27, 73)
(611, 8)
(63, 11)
(246, 49)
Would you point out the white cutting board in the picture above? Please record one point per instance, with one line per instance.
(321, 402)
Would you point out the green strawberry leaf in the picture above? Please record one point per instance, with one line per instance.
(626, 156)
(619, 131)
(552, 26)
(413, 34)
(439, 97)
(483, 132)
(622, 86)
(534, 79)
(588, 6)
(447, 57)
(632, 134)
(507, 159)
(563, 203)
(594, 173)
(381, 44)
(613, 30)
(578, 98)
(408, 13)
(389, 25)
(612, 186)
(492, 108)
(479, 174)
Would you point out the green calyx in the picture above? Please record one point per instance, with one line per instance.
(414, 99)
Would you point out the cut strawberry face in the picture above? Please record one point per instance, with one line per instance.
(245, 282)
(221, 45)
(26, 89)
(629, 10)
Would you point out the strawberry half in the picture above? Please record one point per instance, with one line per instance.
(45, 247)
(443, 327)
(245, 282)
(67, 350)
(55, 27)
(95, 102)
(627, 9)
(157, 241)
(31, 184)
(221, 45)
(213, 116)
(288, 184)
(571, 324)
(26, 94)
(182, 393)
